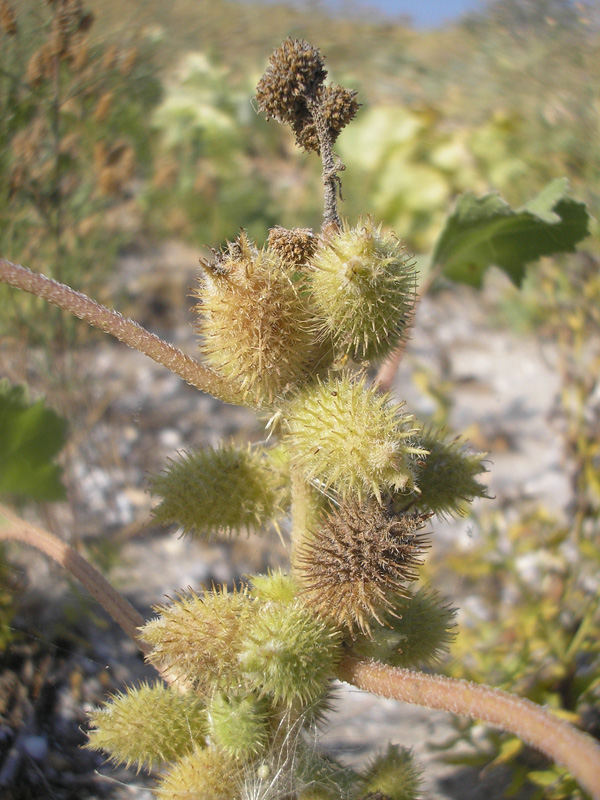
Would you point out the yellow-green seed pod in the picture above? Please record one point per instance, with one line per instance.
(416, 632)
(238, 724)
(345, 435)
(199, 637)
(394, 775)
(148, 725)
(223, 490)
(208, 774)
(288, 654)
(363, 287)
(254, 321)
(446, 477)
(277, 586)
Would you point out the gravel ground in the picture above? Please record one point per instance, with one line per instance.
(503, 394)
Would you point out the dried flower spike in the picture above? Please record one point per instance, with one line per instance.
(292, 91)
(294, 247)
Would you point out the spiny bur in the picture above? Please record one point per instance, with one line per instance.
(288, 654)
(447, 476)
(352, 438)
(238, 724)
(357, 558)
(363, 286)
(204, 774)
(393, 775)
(199, 637)
(416, 631)
(254, 322)
(225, 490)
(148, 725)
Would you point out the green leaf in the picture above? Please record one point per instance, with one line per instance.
(486, 231)
(31, 436)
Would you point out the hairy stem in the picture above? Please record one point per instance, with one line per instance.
(331, 167)
(125, 330)
(554, 737)
(115, 605)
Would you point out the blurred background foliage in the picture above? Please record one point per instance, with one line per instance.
(126, 124)
(153, 107)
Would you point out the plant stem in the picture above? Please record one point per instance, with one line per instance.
(301, 510)
(120, 609)
(125, 330)
(331, 167)
(554, 737)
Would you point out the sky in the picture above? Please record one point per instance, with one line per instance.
(428, 13)
(424, 13)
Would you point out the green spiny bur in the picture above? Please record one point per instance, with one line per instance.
(446, 478)
(210, 491)
(203, 774)
(393, 775)
(363, 288)
(277, 586)
(199, 637)
(148, 725)
(416, 631)
(238, 724)
(288, 654)
(352, 438)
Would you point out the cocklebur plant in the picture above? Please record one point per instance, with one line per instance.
(291, 329)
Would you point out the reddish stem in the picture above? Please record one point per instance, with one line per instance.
(120, 609)
(554, 737)
(125, 330)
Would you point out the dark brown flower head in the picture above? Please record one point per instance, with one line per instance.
(337, 107)
(295, 72)
(359, 558)
(294, 247)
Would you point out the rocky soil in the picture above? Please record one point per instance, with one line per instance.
(135, 415)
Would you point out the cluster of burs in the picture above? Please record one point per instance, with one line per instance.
(346, 478)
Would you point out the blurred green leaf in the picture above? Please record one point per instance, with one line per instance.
(485, 231)
(31, 436)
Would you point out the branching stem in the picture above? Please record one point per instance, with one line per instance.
(554, 737)
(125, 330)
